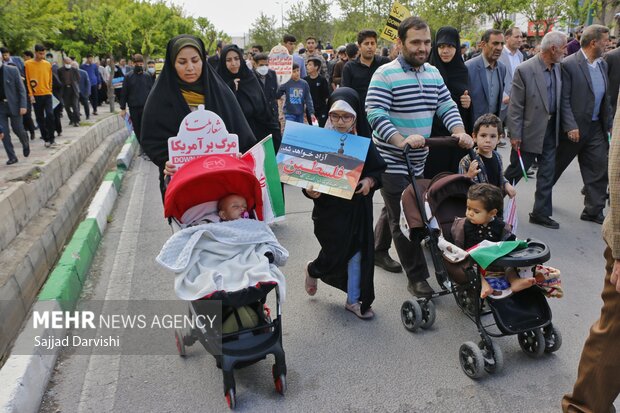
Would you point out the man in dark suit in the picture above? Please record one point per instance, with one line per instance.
(586, 118)
(12, 107)
(214, 60)
(487, 76)
(70, 79)
(613, 72)
(533, 118)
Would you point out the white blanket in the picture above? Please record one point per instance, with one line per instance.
(225, 256)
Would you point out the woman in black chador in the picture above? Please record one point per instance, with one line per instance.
(446, 57)
(249, 93)
(185, 82)
(344, 228)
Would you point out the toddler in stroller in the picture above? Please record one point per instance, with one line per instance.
(226, 259)
(481, 223)
(525, 313)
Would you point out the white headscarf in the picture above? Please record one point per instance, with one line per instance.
(341, 105)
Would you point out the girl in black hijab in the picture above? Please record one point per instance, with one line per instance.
(344, 227)
(185, 82)
(446, 57)
(249, 93)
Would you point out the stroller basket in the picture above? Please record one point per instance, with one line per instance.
(522, 311)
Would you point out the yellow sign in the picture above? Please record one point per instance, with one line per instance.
(398, 13)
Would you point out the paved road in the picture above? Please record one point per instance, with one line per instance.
(335, 361)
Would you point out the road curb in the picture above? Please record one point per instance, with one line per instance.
(25, 376)
(126, 155)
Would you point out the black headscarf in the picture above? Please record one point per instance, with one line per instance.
(454, 74)
(165, 107)
(344, 227)
(250, 96)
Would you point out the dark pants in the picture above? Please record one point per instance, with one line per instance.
(94, 98)
(72, 105)
(44, 113)
(410, 253)
(598, 381)
(84, 102)
(546, 169)
(58, 116)
(591, 154)
(27, 118)
(383, 233)
(4, 123)
(135, 112)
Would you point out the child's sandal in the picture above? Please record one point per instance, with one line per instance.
(311, 282)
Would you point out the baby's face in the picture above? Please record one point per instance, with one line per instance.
(233, 207)
(477, 213)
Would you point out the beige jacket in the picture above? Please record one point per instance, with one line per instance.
(611, 226)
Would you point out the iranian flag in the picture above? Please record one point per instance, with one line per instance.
(262, 158)
(486, 252)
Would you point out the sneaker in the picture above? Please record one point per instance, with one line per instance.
(48, 144)
(26, 149)
(11, 161)
(598, 218)
(383, 260)
(356, 309)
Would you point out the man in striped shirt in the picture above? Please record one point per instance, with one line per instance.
(402, 99)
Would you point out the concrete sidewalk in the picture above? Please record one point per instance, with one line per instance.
(42, 198)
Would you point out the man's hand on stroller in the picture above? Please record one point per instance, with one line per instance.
(169, 169)
(414, 141)
(465, 141)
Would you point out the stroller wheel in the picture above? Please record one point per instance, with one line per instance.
(428, 314)
(466, 300)
(231, 399)
(411, 315)
(279, 379)
(532, 342)
(493, 357)
(178, 337)
(553, 339)
(472, 360)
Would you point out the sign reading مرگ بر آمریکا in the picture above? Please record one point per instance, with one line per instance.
(398, 13)
(328, 161)
(281, 62)
(201, 132)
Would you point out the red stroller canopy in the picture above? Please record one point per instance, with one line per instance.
(211, 178)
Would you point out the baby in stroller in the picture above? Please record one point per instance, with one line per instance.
(219, 256)
(481, 223)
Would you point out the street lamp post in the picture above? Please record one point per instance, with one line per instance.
(282, 3)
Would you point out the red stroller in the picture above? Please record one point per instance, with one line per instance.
(194, 192)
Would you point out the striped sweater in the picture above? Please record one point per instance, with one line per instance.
(402, 99)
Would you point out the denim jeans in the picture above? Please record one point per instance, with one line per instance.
(354, 271)
(299, 118)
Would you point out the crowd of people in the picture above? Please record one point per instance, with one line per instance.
(552, 104)
(37, 83)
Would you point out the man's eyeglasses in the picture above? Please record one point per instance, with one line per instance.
(347, 117)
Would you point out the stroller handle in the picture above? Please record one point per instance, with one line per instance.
(436, 142)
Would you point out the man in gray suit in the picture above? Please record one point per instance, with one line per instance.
(511, 58)
(613, 71)
(12, 107)
(586, 118)
(533, 118)
(70, 79)
(487, 76)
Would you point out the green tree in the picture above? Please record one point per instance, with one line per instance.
(264, 31)
(209, 34)
(25, 22)
(311, 19)
(543, 14)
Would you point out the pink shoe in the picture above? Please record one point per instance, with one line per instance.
(357, 310)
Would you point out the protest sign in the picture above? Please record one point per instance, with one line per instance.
(398, 13)
(201, 132)
(281, 62)
(330, 161)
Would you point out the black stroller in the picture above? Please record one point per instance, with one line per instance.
(428, 211)
(196, 187)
